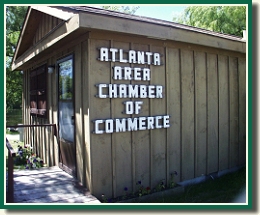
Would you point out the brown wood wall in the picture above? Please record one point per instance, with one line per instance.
(45, 26)
(205, 95)
(42, 139)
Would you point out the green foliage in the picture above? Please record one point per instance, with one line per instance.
(159, 187)
(142, 190)
(13, 89)
(224, 19)
(172, 183)
(124, 9)
(14, 21)
(65, 80)
(22, 155)
(11, 132)
(65, 87)
(104, 198)
(14, 117)
(27, 158)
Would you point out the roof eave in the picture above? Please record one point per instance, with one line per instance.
(63, 15)
(162, 32)
(49, 40)
(21, 34)
(76, 19)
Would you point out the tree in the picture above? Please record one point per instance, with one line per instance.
(124, 9)
(14, 20)
(224, 19)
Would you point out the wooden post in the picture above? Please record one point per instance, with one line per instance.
(11, 154)
(10, 197)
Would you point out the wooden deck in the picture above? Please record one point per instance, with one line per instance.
(49, 185)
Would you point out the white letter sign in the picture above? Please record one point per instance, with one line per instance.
(135, 84)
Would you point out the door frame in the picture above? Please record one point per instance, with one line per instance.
(61, 165)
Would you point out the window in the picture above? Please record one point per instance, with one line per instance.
(66, 99)
(38, 91)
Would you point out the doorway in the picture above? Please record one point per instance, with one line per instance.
(67, 155)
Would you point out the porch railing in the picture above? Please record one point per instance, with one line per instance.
(41, 137)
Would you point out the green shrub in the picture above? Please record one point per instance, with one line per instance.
(27, 158)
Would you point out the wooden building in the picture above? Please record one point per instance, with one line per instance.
(134, 98)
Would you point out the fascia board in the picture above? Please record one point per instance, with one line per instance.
(64, 15)
(156, 31)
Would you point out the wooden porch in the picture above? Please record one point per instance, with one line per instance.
(49, 185)
(46, 184)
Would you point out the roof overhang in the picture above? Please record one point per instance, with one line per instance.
(126, 24)
(162, 31)
(70, 24)
(64, 15)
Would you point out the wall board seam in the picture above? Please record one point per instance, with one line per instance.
(82, 117)
(150, 135)
(238, 116)
(180, 81)
(89, 163)
(228, 62)
(195, 116)
(167, 112)
(217, 64)
(207, 109)
(133, 145)
(113, 146)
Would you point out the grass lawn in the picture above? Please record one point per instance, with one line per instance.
(11, 132)
(220, 190)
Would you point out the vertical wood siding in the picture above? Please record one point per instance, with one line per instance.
(187, 116)
(102, 148)
(45, 26)
(141, 147)
(223, 76)
(174, 96)
(205, 95)
(212, 113)
(242, 80)
(41, 138)
(200, 113)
